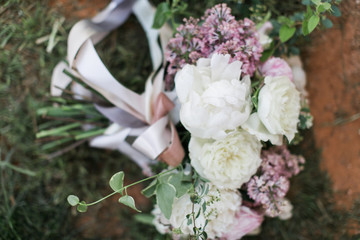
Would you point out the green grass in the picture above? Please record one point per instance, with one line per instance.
(34, 190)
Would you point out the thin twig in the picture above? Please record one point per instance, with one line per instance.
(66, 149)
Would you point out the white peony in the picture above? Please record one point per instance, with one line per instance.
(279, 106)
(213, 99)
(255, 127)
(221, 209)
(228, 162)
(160, 222)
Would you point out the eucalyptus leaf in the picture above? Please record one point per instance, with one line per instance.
(128, 201)
(165, 178)
(116, 181)
(82, 207)
(149, 191)
(313, 22)
(286, 33)
(73, 200)
(165, 194)
(145, 218)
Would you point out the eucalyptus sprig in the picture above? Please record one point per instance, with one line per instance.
(117, 185)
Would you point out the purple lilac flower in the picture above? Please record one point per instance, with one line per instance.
(268, 190)
(218, 33)
(270, 187)
(279, 161)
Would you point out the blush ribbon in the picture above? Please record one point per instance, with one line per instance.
(143, 124)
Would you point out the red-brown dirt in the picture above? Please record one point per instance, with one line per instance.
(78, 9)
(333, 71)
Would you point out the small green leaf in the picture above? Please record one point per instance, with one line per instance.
(313, 22)
(327, 23)
(162, 14)
(116, 181)
(73, 200)
(326, 5)
(82, 207)
(128, 201)
(286, 33)
(335, 11)
(266, 55)
(165, 194)
(305, 2)
(149, 191)
(316, 2)
(320, 8)
(181, 187)
(165, 178)
(305, 27)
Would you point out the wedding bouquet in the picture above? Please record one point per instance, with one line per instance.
(216, 109)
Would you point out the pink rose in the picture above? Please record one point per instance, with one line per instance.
(276, 67)
(246, 220)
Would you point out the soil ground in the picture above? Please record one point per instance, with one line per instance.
(333, 73)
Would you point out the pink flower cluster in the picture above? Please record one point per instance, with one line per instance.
(218, 33)
(276, 67)
(270, 187)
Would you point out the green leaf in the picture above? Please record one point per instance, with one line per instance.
(73, 200)
(145, 218)
(335, 11)
(165, 194)
(286, 33)
(116, 181)
(313, 22)
(181, 187)
(165, 178)
(305, 2)
(326, 5)
(327, 23)
(316, 2)
(162, 14)
(320, 8)
(82, 207)
(128, 201)
(149, 191)
(305, 27)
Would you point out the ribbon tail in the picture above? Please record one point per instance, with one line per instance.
(175, 153)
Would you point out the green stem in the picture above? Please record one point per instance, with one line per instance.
(126, 187)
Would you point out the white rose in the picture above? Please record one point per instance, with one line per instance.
(221, 209)
(279, 106)
(228, 162)
(213, 99)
